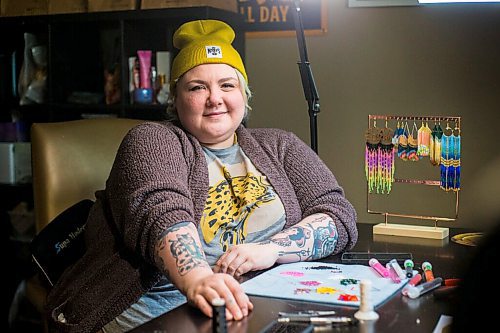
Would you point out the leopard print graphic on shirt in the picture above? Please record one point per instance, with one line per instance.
(229, 205)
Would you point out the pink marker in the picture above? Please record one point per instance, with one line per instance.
(376, 265)
(392, 273)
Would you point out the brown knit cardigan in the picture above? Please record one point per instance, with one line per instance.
(160, 178)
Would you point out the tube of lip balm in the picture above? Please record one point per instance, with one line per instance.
(427, 268)
(414, 292)
(412, 283)
(392, 273)
(145, 68)
(399, 271)
(409, 267)
(376, 265)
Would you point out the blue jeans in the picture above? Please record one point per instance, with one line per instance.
(157, 301)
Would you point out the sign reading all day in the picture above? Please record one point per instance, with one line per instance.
(277, 16)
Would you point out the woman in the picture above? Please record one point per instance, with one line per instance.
(191, 205)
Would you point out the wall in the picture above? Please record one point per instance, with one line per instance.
(432, 60)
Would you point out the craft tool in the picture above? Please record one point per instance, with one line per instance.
(219, 315)
(412, 283)
(451, 282)
(416, 291)
(409, 268)
(306, 313)
(397, 269)
(377, 266)
(366, 311)
(427, 268)
(392, 273)
(318, 321)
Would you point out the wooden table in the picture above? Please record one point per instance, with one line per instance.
(398, 314)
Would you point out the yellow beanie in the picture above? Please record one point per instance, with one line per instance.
(204, 42)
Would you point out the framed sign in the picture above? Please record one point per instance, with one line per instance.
(276, 17)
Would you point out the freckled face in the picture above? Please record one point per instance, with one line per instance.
(210, 104)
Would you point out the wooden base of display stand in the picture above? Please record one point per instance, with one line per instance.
(410, 231)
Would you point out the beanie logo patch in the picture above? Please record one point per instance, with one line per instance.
(213, 51)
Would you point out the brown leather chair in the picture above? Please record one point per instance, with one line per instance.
(70, 161)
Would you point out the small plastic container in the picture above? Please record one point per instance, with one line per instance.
(143, 96)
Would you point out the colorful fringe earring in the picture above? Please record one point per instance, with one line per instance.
(379, 160)
(395, 138)
(403, 142)
(450, 161)
(372, 137)
(435, 146)
(424, 140)
(412, 145)
(456, 159)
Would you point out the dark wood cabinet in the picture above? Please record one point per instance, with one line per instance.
(78, 47)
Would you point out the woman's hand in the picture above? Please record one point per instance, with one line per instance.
(201, 291)
(243, 258)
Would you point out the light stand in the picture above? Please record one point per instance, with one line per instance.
(310, 91)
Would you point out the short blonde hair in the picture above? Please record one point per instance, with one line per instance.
(244, 88)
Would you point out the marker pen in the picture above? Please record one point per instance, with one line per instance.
(392, 273)
(414, 292)
(409, 267)
(399, 271)
(377, 266)
(412, 283)
(427, 268)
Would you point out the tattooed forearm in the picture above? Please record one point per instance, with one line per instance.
(184, 250)
(325, 239)
(312, 238)
(186, 253)
(300, 253)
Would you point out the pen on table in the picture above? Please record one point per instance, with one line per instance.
(392, 273)
(409, 268)
(414, 292)
(427, 268)
(412, 283)
(377, 266)
(317, 320)
(448, 289)
(307, 313)
(399, 271)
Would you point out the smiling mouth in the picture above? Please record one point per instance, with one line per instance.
(213, 114)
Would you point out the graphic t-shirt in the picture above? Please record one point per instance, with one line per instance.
(242, 206)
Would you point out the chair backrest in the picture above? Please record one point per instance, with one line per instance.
(71, 160)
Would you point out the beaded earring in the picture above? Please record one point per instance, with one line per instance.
(424, 140)
(456, 156)
(379, 160)
(395, 138)
(386, 161)
(372, 138)
(403, 142)
(435, 146)
(412, 145)
(450, 161)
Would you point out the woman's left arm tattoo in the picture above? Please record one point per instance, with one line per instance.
(324, 236)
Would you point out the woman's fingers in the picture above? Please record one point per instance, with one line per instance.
(225, 261)
(223, 286)
(238, 296)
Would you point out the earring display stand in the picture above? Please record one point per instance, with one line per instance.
(408, 230)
